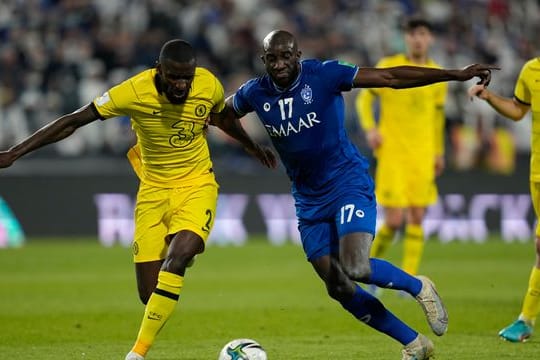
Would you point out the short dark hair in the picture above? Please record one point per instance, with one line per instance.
(414, 22)
(177, 50)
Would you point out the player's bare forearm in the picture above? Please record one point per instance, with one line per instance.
(55, 131)
(401, 77)
(50, 133)
(229, 123)
(509, 108)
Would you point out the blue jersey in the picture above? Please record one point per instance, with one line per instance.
(306, 124)
(332, 189)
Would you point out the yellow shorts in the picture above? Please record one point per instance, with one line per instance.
(535, 198)
(163, 211)
(404, 185)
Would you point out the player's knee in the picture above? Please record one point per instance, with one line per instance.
(177, 263)
(358, 272)
(336, 292)
(340, 290)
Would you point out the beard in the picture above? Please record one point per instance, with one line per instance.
(175, 97)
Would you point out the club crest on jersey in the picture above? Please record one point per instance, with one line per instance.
(307, 94)
(200, 110)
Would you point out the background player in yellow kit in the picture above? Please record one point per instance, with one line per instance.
(408, 142)
(169, 107)
(526, 97)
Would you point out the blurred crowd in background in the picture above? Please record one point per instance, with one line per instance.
(57, 55)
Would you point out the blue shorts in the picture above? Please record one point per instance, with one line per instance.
(352, 212)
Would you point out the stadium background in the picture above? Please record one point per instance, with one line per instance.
(56, 56)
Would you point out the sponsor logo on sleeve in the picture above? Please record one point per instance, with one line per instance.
(103, 99)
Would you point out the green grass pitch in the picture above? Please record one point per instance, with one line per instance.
(73, 299)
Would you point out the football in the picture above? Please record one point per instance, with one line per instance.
(242, 349)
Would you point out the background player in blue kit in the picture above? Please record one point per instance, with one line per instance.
(301, 106)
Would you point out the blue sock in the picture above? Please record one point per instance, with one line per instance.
(386, 275)
(371, 311)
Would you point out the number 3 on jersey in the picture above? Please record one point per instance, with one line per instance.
(185, 134)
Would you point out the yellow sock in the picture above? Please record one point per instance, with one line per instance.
(158, 310)
(531, 303)
(413, 247)
(383, 240)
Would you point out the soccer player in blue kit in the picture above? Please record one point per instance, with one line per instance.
(301, 106)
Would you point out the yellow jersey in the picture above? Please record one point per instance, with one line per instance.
(527, 91)
(411, 121)
(171, 149)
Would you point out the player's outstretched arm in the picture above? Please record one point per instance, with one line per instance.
(55, 131)
(510, 108)
(401, 77)
(228, 121)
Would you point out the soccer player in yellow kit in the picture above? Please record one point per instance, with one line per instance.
(526, 97)
(408, 142)
(170, 107)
